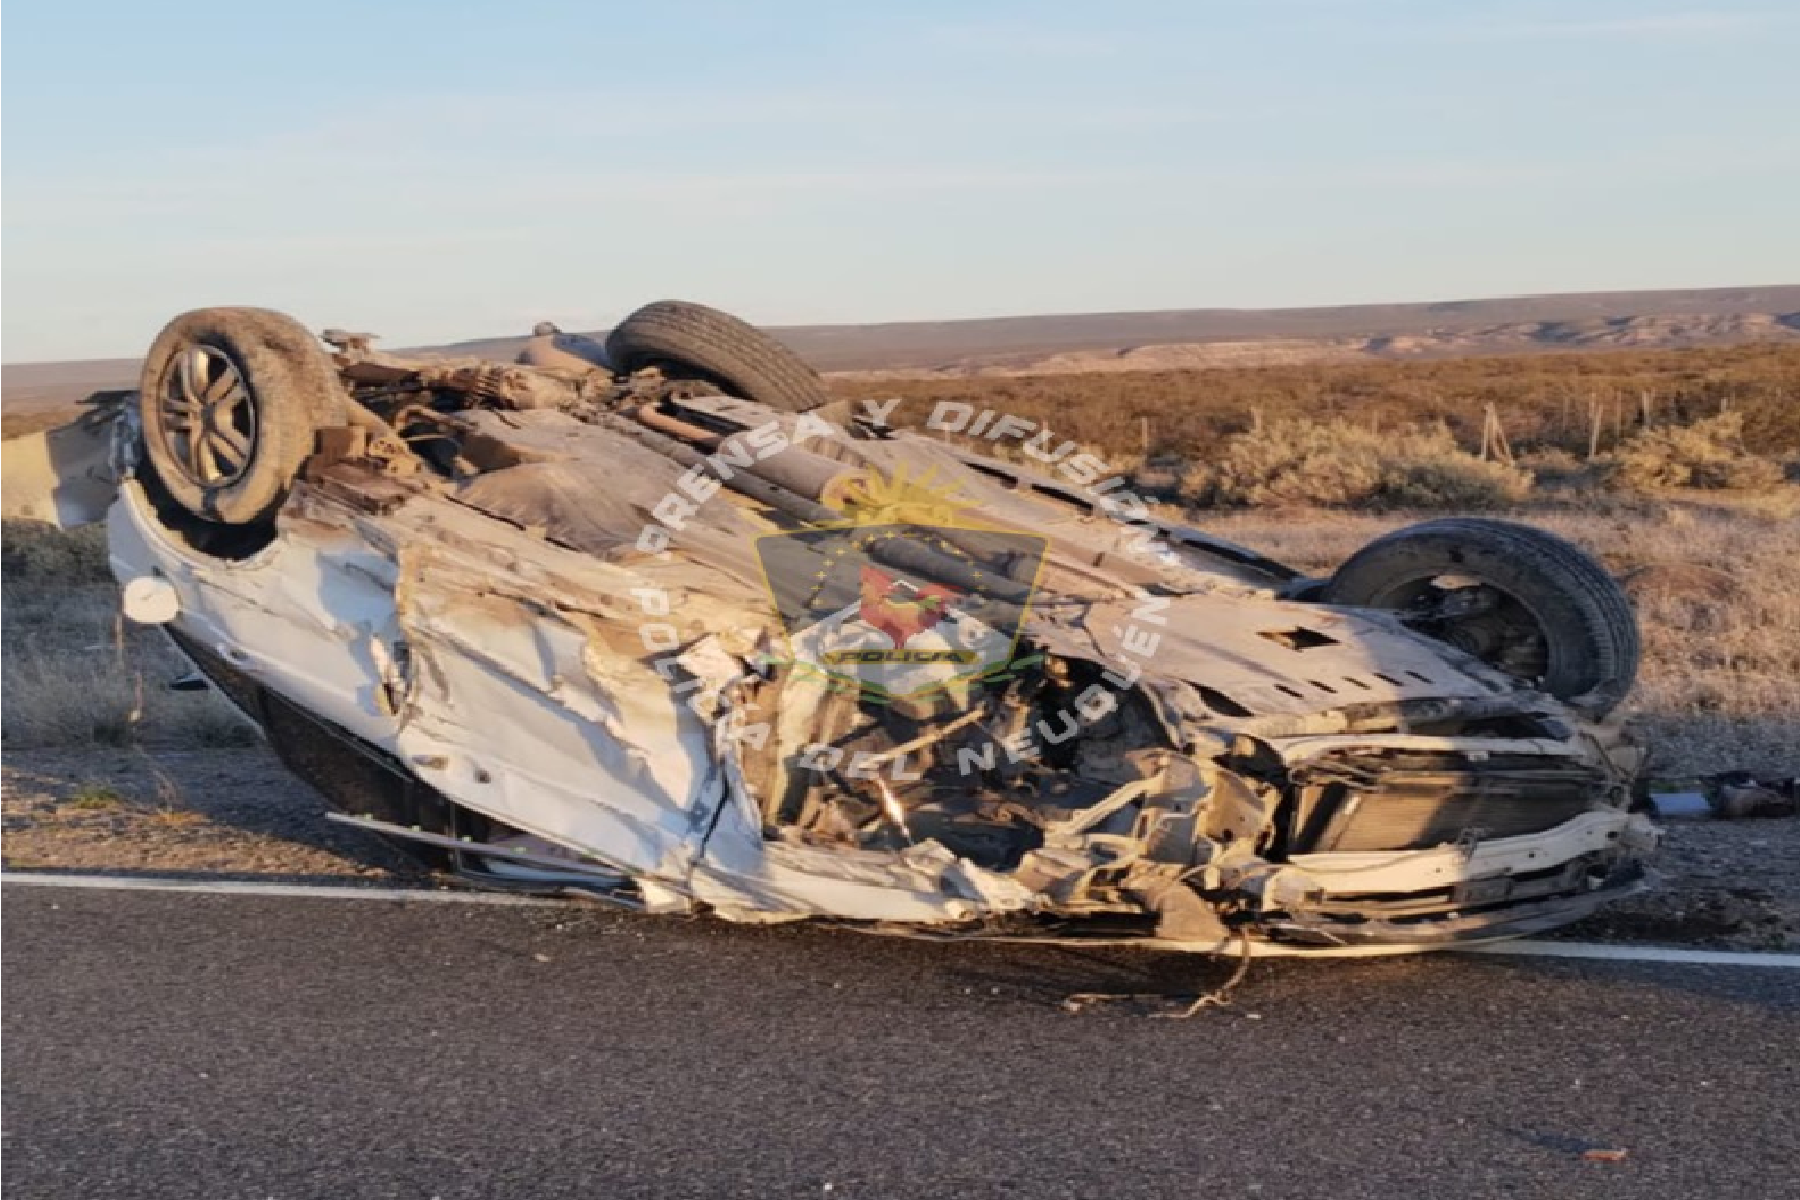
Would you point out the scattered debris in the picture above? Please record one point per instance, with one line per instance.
(1737, 795)
(1681, 806)
(1728, 796)
(1218, 997)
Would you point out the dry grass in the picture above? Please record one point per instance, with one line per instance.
(19, 423)
(1542, 400)
(96, 797)
(1708, 454)
(1347, 466)
(75, 674)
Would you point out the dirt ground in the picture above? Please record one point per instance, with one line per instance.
(218, 813)
(1716, 883)
(236, 814)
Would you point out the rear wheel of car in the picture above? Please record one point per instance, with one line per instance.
(1518, 598)
(232, 400)
(693, 341)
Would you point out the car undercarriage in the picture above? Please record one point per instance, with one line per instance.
(663, 624)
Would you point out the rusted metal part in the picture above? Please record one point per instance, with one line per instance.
(796, 470)
(693, 435)
(363, 483)
(504, 386)
(745, 483)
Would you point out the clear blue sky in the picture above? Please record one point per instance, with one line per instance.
(435, 170)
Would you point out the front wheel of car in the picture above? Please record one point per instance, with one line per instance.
(232, 400)
(1520, 599)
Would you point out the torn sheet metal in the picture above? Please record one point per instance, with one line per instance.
(513, 616)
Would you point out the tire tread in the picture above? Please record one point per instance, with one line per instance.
(720, 346)
(1598, 661)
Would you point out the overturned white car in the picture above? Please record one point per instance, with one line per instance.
(662, 625)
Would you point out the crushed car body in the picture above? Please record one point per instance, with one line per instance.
(667, 627)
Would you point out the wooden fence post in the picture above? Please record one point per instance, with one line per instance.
(1493, 436)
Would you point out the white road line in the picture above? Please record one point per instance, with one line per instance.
(248, 887)
(1627, 952)
(1527, 947)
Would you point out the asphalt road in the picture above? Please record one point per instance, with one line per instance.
(186, 1046)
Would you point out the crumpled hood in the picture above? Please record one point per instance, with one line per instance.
(1251, 658)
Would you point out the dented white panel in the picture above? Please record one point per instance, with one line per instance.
(1362, 872)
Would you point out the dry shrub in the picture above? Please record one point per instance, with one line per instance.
(1750, 473)
(1554, 469)
(1301, 462)
(1559, 400)
(73, 673)
(32, 552)
(1709, 453)
(68, 696)
(1686, 597)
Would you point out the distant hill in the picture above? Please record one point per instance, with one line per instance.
(1515, 337)
(1200, 337)
(1016, 341)
(34, 386)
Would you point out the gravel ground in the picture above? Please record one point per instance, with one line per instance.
(1717, 883)
(235, 813)
(223, 813)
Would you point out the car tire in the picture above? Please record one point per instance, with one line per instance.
(232, 400)
(1589, 649)
(693, 341)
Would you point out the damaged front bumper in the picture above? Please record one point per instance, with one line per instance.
(1412, 842)
(1451, 895)
(1360, 905)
